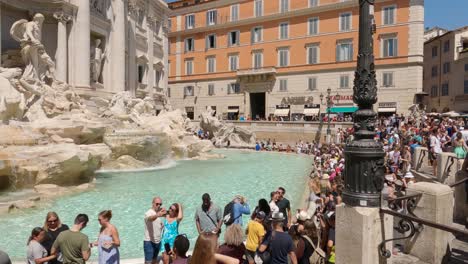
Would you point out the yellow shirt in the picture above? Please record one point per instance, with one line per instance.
(255, 232)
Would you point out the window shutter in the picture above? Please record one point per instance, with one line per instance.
(215, 18)
(338, 52)
(395, 47)
(252, 35)
(351, 51)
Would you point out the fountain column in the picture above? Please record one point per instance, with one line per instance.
(82, 45)
(118, 46)
(61, 58)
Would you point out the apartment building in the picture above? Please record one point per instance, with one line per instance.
(264, 58)
(446, 70)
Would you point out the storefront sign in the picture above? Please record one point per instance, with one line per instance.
(387, 105)
(297, 100)
(340, 98)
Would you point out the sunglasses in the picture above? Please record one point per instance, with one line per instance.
(52, 221)
(158, 204)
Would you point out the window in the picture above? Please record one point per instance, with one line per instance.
(345, 22)
(234, 12)
(344, 81)
(344, 51)
(388, 15)
(445, 89)
(258, 8)
(312, 83)
(257, 59)
(157, 78)
(284, 30)
(312, 54)
(211, 64)
(446, 67)
(387, 79)
(189, 67)
(465, 90)
(434, 51)
(284, 6)
(233, 88)
(169, 25)
(169, 68)
(189, 44)
(211, 41)
(446, 46)
(189, 90)
(389, 47)
(313, 3)
(434, 71)
(141, 73)
(168, 91)
(211, 16)
(233, 38)
(211, 89)
(256, 34)
(313, 26)
(233, 62)
(434, 91)
(466, 67)
(283, 85)
(283, 57)
(189, 21)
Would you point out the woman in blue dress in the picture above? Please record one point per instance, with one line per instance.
(108, 241)
(171, 228)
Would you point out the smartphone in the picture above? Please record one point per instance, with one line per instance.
(167, 247)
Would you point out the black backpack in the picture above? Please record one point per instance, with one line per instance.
(228, 215)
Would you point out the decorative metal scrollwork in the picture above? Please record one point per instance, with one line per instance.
(404, 226)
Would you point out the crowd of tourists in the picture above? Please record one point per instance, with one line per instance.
(271, 235)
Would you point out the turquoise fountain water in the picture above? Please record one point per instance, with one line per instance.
(129, 195)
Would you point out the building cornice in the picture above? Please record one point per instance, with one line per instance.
(255, 20)
(44, 6)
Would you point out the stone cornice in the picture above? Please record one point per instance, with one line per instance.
(46, 7)
(205, 6)
(262, 19)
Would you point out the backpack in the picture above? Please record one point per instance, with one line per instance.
(318, 257)
(228, 214)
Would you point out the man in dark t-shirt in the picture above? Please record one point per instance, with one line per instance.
(284, 207)
(280, 244)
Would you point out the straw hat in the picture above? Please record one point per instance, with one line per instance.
(302, 216)
(325, 176)
(277, 217)
(389, 178)
(409, 175)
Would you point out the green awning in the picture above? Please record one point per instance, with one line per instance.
(343, 109)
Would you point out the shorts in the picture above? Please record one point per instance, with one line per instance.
(151, 250)
(249, 255)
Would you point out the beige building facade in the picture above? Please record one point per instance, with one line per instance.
(288, 54)
(100, 47)
(446, 70)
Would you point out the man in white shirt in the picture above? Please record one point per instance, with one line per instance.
(274, 198)
(153, 231)
(436, 149)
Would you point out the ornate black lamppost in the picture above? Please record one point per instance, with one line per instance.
(364, 170)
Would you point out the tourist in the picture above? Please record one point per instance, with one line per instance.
(460, 147)
(53, 227)
(284, 207)
(279, 243)
(73, 244)
(108, 241)
(171, 229)
(179, 251)
(4, 258)
(262, 206)
(240, 207)
(205, 249)
(36, 253)
(233, 243)
(255, 232)
(274, 199)
(153, 231)
(311, 240)
(208, 216)
(331, 237)
(435, 149)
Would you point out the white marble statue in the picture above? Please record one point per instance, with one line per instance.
(99, 56)
(38, 63)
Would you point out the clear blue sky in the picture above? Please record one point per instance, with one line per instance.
(449, 14)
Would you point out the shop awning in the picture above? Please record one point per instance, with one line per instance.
(282, 112)
(311, 111)
(236, 110)
(343, 109)
(387, 110)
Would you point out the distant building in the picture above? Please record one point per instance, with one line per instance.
(446, 71)
(264, 58)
